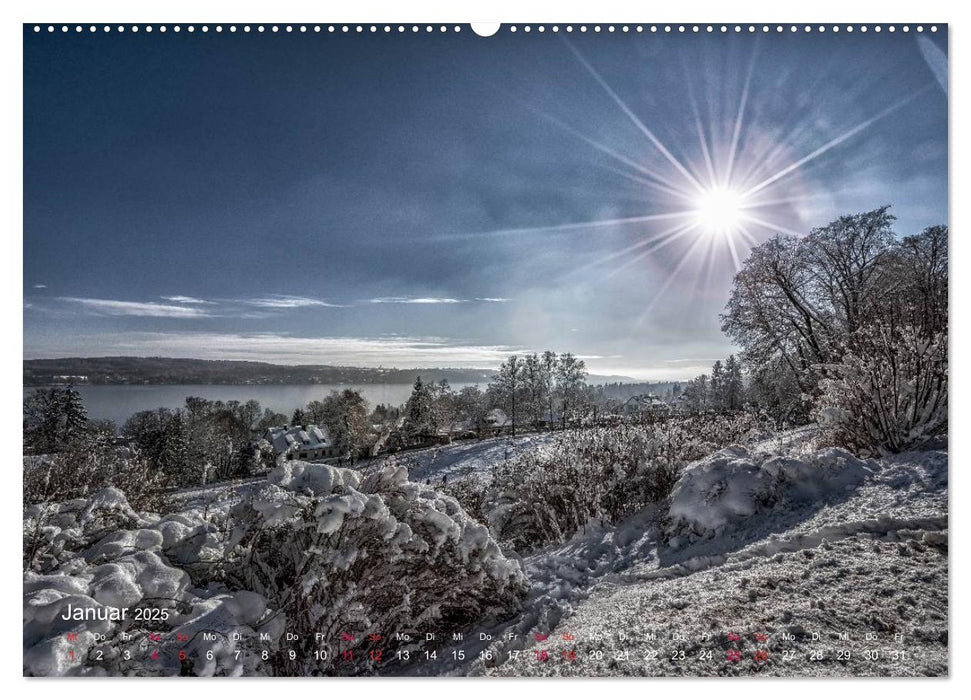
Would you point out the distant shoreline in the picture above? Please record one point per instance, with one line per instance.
(168, 371)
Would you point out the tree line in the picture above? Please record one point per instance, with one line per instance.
(848, 326)
(721, 390)
(532, 390)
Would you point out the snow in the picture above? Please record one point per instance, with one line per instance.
(778, 537)
(864, 555)
(316, 479)
(475, 457)
(723, 490)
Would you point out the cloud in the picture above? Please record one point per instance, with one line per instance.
(187, 300)
(417, 300)
(692, 361)
(281, 301)
(395, 351)
(432, 300)
(114, 307)
(40, 286)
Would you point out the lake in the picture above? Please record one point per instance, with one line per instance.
(118, 402)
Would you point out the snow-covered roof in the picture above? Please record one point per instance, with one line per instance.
(497, 417)
(304, 437)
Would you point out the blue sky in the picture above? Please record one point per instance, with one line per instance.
(445, 199)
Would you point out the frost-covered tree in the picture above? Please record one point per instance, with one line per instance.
(344, 414)
(506, 388)
(571, 376)
(443, 405)
(534, 389)
(419, 417)
(53, 419)
(888, 391)
(548, 364)
(732, 390)
(796, 299)
(716, 386)
(698, 393)
(471, 406)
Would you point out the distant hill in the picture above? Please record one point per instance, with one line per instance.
(173, 370)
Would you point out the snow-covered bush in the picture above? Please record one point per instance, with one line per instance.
(723, 491)
(889, 391)
(88, 466)
(606, 473)
(100, 554)
(317, 550)
(337, 553)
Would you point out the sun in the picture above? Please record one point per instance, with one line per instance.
(719, 209)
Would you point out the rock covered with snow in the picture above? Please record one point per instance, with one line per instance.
(86, 559)
(720, 492)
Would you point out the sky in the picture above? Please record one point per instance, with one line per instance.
(444, 199)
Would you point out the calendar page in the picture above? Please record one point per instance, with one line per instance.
(515, 350)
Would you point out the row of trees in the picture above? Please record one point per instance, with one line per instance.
(530, 390)
(203, 441)
(722, 390)
(848, 325)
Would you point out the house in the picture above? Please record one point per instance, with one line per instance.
(307, 442)
(497, 418)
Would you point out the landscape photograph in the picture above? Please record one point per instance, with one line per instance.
(570, 351)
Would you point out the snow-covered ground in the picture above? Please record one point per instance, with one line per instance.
(865, 560)
(839, 565)
(460, 459)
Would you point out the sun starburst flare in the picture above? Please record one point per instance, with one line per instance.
(746, 185)
(719, 210)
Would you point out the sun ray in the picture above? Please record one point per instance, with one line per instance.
(832, 144)
(660, 241)
(573, 226)
(675, 235)
(660, 182)
(633, 117)
(737, 131)
(670, 278)
(733, 250)
(699, 126)
(646, 241)
(644, 181)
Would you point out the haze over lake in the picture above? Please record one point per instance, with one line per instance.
(119, 402)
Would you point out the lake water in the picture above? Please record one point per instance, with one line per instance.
(119, 402)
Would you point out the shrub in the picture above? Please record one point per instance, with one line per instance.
(338, 553)
(88, 466)
(889, 392)
(607, 473)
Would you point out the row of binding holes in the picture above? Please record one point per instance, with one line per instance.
(722, 28)
(414, 28)
(302, 28)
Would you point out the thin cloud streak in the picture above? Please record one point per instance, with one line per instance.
(115, 307)
(416, 300)
(434, 300)
(280, 301)
(179, 299)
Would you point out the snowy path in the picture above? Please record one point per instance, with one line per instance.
(872, 560)
(459, 459)
(871, 565)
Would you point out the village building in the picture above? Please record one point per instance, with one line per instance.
(307, 442)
